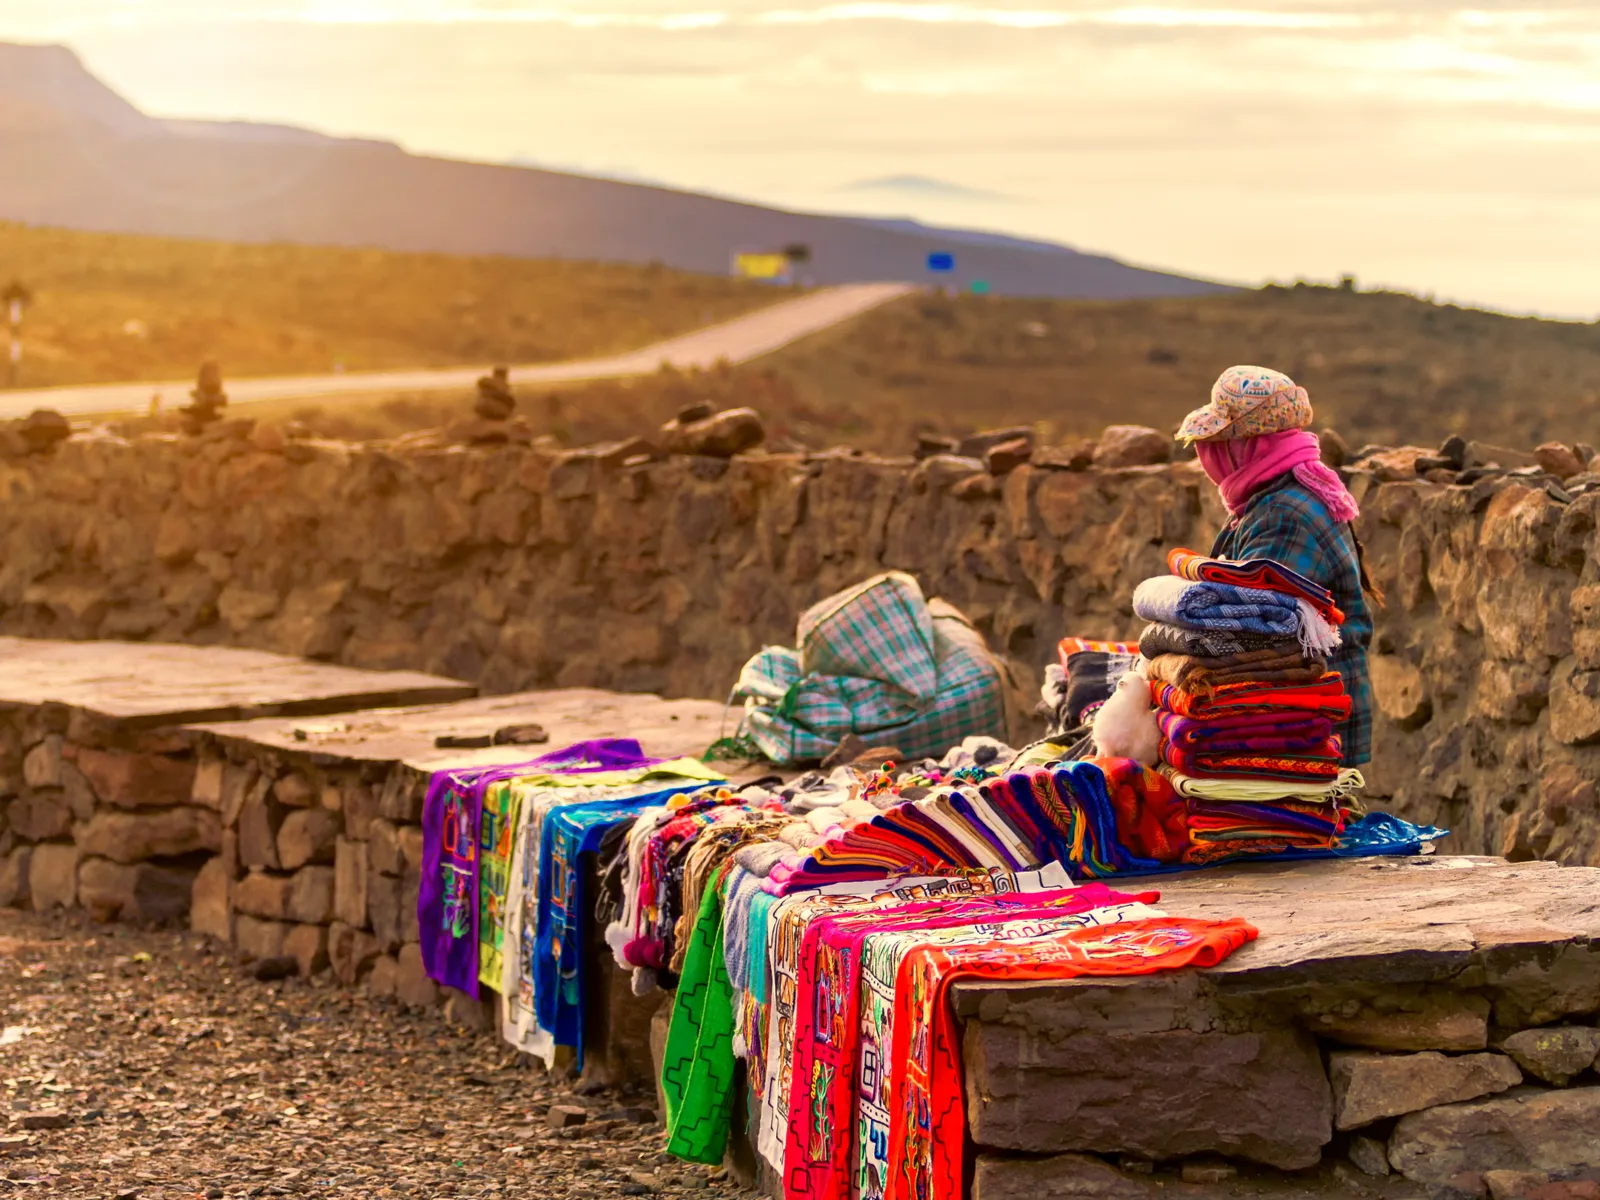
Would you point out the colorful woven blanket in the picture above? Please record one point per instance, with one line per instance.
(1223, 832)
(1319, 765)
(1196, 674)
(1152, 822)
(827, 1043)
(1160, 638)
(1261, 573)
(1268, 732)
(1211, 607)
(1262, 791)
(779, 958)
(927, 1134)
(1326, 697)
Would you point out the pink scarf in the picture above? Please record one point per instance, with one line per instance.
(1242, 467)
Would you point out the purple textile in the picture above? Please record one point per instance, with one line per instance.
(1261, 733)
(447, 896)
(602, 754)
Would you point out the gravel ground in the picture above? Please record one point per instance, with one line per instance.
(147, 1064)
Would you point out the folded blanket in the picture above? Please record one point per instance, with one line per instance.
(1255, 573)
(1320, 765)
(1326, 697)
(1210, 607)
(1218, 820)
(1290, 732)
(1223, 832)
(1068, 646)
(1161, 638)
(1196, 674)
(1092, 675)
(1152, 822)
(1263, 791)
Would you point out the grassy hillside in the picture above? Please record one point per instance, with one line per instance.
(1380, 368)
(109, 307)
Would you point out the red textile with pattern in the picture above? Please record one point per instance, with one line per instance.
(1068, 646)
(1152, 820)
(928, 1126)
(1325, 698)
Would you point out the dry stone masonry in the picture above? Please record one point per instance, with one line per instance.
(621, 566)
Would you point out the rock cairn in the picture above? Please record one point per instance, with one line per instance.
(496, 401)
(206, 400)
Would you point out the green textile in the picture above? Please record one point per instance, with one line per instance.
(698, 1065)
(877, 660)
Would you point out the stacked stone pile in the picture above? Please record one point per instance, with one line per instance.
(1564, 472)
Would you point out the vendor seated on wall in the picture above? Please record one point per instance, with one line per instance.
(1285, 504)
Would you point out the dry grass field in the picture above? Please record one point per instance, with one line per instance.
(109, 308)
(1380, 368)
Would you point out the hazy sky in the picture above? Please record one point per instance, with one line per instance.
(1416, 143)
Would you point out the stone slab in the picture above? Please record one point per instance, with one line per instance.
(140, 684)
(665, 728)
(1367, 939)
(1402, 921)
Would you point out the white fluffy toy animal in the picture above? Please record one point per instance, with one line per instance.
(1125, 726)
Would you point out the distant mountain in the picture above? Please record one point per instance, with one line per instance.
(76, 154)
(968, 237)
(251, 131)
(921, 187)
(47, 88)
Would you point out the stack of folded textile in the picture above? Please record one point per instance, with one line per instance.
(1078, 683)
(1236, 654)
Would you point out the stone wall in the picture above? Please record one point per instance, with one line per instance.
(517, 567)
(104, 822)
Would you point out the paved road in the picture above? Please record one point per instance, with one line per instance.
(738, 341)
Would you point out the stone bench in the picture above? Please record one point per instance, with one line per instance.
(102, 802)
(321, 837)
(1381, 1012)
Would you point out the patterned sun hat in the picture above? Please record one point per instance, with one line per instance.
(1248, 402)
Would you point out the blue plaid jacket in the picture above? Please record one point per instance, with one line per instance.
(1287, 523)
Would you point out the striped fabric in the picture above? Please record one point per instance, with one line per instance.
(878, 661)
